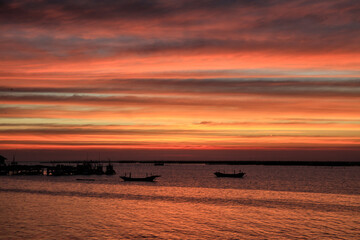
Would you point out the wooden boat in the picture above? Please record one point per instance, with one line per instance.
(85, 179)
(110, 170)
(140, 179)
(230, 175)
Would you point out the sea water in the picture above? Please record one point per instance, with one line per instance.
(186, 202)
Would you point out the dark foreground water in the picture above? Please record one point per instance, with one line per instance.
(187, 202)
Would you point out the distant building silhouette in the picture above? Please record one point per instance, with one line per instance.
(2, 160)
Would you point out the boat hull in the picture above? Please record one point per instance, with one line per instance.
(229, 175)
(144, 179)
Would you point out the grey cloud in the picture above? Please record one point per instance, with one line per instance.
(347, 88)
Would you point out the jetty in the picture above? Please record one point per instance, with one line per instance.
(83, 168)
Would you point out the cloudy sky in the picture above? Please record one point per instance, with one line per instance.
(179, 79)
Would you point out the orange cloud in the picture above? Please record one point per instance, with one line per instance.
(179, 75)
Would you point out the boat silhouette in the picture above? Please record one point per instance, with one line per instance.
(85, 179)
(230, 175)
(139, 179)
(110, 169)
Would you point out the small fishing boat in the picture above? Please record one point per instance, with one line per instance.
(230, 175)
(139, 179)
(110, 169)
(85, 179)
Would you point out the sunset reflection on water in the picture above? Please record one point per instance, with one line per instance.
(53, 208)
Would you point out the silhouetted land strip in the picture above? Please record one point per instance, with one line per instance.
(288, 163)
(276, 163)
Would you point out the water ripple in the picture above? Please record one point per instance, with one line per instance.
(269, 203)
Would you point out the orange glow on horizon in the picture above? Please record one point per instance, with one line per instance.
(287, 79)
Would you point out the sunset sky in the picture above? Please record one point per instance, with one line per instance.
(163, 79)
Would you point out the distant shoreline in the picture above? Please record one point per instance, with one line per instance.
(267, 163)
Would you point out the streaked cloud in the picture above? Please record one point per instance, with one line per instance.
(156, 74)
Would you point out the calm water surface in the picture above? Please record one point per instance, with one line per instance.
(187, 202)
